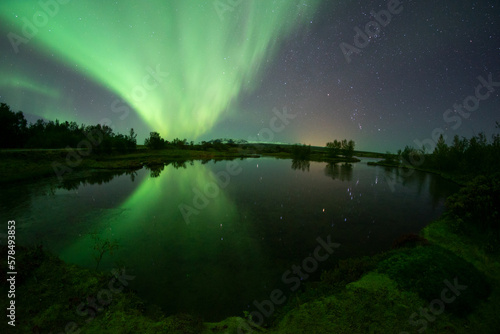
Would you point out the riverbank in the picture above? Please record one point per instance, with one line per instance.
(23, 165)
(444, 283)
(459, 179)
(444, 280)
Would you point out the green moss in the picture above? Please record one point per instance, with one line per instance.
(349, 270)
(370, 305)
(425, 269)
(376, 294)
(374, 282)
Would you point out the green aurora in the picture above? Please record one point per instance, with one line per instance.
(209, 254)
(179, 64)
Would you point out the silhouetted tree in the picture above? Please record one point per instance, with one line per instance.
(344, 147)
(334, 148)
(14, 132)
(155, 141)
(301, 152)
(131, 140)
(13, 128)
(441, 154)
(348, 148)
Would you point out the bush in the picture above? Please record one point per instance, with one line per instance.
(424, 269)
(477, 203)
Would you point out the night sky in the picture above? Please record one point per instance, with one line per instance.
(210, 69)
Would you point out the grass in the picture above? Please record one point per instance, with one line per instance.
(55, 296)
(384, 293)
(27, 165)
(379, 294)
(22, 165)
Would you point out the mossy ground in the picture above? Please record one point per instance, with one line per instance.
(379, 294)
(25, 165)
(56, 297)
(385, 293)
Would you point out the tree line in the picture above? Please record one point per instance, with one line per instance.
(476, 155)
(16, 133)
(340, 147)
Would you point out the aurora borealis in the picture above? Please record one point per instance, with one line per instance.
(209, 69)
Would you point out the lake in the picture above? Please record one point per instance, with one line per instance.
(208, 238)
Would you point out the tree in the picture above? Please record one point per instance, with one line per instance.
(132, 140)
(107, 135)
(441, 154)
(13, 127)
(155, 141)
(301, 152)
(334, 148)
(412, 156)
(348, 148)
(102, 247)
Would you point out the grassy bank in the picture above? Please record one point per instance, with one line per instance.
(56, 297)
(401, 291)
(31, 164)
(445, 280)
(457, 178)
(20, 165)
(386, 293)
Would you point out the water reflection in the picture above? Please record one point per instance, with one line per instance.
(336, 171)
(155, 170)
(423, 183)
(302, 165)
(245, 229)
(212, 258)
(94, 178)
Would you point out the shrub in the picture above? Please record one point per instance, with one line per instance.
(424, 269)
(477, 203)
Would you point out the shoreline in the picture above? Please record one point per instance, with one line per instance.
(459, 180)
(26, 165)
(355, 280)
(364, 289)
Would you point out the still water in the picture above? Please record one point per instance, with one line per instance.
(208, 238)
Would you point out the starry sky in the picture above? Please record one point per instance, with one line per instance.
(289, 71)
